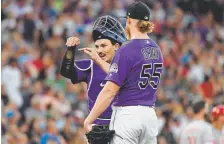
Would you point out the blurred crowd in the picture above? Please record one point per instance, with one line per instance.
(40, 106)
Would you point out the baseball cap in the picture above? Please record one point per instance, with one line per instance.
(218, 111)
(139, 11)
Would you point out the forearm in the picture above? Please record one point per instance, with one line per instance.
(67, 65)
(103, 101)
(103, 65)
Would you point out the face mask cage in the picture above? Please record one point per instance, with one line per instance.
(110, 27)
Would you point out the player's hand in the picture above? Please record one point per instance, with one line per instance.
(72, 41)
(92, 53)
(87, 126)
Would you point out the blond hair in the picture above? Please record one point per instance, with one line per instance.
(145, 26)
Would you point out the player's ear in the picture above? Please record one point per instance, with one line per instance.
(128, 20)
(116, 46)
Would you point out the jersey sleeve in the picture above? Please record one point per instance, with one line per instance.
(119, 68)
(83, 69)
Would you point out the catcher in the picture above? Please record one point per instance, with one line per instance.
(108, 35)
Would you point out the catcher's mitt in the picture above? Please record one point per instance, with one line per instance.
(100, 135)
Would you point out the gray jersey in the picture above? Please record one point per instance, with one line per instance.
(197, 132)
(218, 136)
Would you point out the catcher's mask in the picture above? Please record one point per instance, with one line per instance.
(108, 27)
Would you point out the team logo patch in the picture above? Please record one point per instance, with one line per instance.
(114, 68)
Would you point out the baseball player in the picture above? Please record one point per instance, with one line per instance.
(198, 131)
(217, 117)
(108, 34)
(133, 77)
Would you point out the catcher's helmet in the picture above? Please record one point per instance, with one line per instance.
(108, 27)
(217, 111)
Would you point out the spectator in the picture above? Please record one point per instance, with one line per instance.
(21, 138)
(18, 8)
(79, 137)
(29, 28)
(35, 110)
(207, 89)
(11, 80)
(36, 128)
(51, 134)
(70, 128)
(196, 73)
(62, 105)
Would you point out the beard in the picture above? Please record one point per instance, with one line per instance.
(128, 33)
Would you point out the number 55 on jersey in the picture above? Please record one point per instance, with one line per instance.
(135, 69)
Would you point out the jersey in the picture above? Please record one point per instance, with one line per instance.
(218, 136)
(46, 138)
(89, 72)
(136, 68)
(197, 132)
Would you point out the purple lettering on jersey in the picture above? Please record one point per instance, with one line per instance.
(136, 68)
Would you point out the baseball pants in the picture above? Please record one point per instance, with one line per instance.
(134, 125)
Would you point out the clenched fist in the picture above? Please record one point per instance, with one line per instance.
(72, 41)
